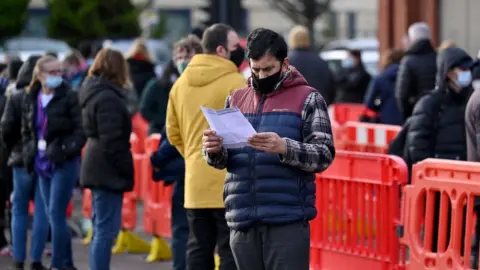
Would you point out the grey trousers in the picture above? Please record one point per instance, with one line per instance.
(272, 247)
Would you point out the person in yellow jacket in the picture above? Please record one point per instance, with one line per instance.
(207, 81)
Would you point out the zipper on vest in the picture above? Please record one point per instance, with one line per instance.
(256, 119)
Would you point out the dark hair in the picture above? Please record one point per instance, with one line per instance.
(198, 31)
(13, 68)
(355, 53)
(169, 70)
(51, 53)
(215, 35)
(25, 73)
(86, 49)
(74, 58)
(262, 41)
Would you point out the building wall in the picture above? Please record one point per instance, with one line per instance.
(458, 22)
(260, 14)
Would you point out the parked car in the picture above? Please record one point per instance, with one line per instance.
(336, 51)
(159, 50)
(23, 47)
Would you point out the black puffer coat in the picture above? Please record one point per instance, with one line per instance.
(416, 76)
(64, 132)
(107, 162)
(141, 71)
(437, 125)
(10, 125)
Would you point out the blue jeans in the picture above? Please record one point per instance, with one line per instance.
(179, 228)
(57, 192)
(24, 186)
(106, 222)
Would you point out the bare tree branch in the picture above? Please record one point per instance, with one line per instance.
(289, 9)
(304, 12)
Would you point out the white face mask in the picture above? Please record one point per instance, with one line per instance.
(464, 78)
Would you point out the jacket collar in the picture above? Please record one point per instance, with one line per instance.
(36, 88)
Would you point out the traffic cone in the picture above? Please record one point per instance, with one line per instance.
(160, 250)
(131, 243)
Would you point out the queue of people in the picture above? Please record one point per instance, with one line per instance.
(250, 205)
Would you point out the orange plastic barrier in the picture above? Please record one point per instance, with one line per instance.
(140, 128)
(129, 207)
(157, 207)
(87, 203)
(358, 203)
(344, 112)
(458, 182)
(366, 137)
(138, 159)
(151, 146)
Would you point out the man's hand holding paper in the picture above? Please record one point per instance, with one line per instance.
(230, 125)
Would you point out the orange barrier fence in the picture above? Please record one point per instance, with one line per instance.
(140, 128)
(358, 203)
(448, 187)
(157, 205)
(344, 112)
(366, 137)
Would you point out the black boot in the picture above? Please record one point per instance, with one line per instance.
(37, 266)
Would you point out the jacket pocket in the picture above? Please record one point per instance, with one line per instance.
(55, 151)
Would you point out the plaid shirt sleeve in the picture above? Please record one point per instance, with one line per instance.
(316, 152)
(218, 160)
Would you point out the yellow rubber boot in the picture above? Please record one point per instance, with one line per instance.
(217, 262)
(88, 238)
(131, 243)
(160, 250)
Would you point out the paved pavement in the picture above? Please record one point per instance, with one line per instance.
(119, 261)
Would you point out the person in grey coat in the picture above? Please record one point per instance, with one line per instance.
(310, 64)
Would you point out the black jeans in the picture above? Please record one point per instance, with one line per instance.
(272, 247)
(208, 228)
(179, 229)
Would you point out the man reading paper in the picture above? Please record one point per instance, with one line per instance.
(269, 192)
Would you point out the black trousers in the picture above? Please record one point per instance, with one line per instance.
(208, 229)
(272, 247)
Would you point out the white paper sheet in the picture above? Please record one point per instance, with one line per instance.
(230, 124)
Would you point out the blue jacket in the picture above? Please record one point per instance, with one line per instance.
(383, 88)
(170, 164)
(259, 189)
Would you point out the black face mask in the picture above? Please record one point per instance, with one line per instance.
(237, 56)
(266, 85)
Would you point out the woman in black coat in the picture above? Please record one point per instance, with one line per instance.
(107, 165)
(26, 185)
(52, 140)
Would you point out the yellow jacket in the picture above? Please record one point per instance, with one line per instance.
(207, 81)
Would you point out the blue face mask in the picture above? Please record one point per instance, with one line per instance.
(464, 78)
(53, 82)
(347, 63)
